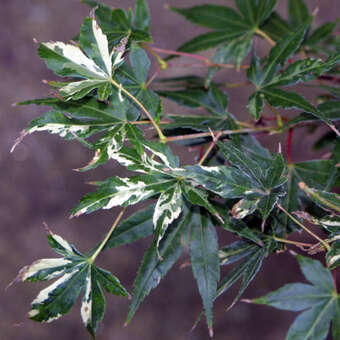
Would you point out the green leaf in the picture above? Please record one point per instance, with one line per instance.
(324, 199)
(255, 105)
(142, 15)
(276, 27)
(304, 71)
(117, 25)
(235, 252)
(246, 270)
(133, 228)
(205, 262)
(76, 272)
(235, 51)
(321, 33)
(293, 100)
(212, 16)
(293, 296)
(320, 298)
(117, 191)
(215, 101)
(154, 267)
(279, 54)
(209, 40)
(330, 109)
(134, 80)
(255, 12)
(298, 12)
(223, 181)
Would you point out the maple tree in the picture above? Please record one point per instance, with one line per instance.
(237, 185)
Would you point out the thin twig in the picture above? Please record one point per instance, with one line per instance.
(162, 138)
(265, 36)
(102, 245)
(211, 146)
(325, 244)
(223, 132)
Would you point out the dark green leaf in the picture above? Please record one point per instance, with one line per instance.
(154, 268)
(205, 262)
(281, 52)
(135, 227)
(246, 270)
(255, 105)
(142, 15)
(293, 100)
(276, 27)
(134, 80)
(235, 252)
(330, 109)
(209, 40)
(215, 101)
(324, 199)
(298, 12)
(213, 16)
(255, 12)
(321, 33)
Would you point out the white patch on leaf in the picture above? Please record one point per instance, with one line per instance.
(86, 306)
(44, 295)
(103, 47)
(60, 129)
(133, 192)
(43, 264)
(168, 208)
(77, 57)
(63, 243)
(333, 259)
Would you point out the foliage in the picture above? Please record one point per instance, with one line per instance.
(237, 186)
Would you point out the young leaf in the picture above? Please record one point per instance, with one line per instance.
(154, 268)
(205, 262)
(134, 79)
(117, 25)
(320, 299)
(76, 272)
(69, 61)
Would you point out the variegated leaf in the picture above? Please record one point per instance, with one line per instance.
(70, 61)
(168, 208)
(76, 272)
(122, 192)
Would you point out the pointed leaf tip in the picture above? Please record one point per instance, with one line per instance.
(211, 332)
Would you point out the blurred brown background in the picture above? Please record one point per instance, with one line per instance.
(37, 184)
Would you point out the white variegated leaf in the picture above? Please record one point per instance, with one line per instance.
(168, 208)
(75, 61)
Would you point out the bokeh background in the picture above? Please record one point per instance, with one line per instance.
(37, 184)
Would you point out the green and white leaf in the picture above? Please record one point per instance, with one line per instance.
(117, 191)
(70, 61)
(168, 208)
(76, 273)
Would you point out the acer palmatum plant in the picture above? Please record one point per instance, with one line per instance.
(106, 101)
